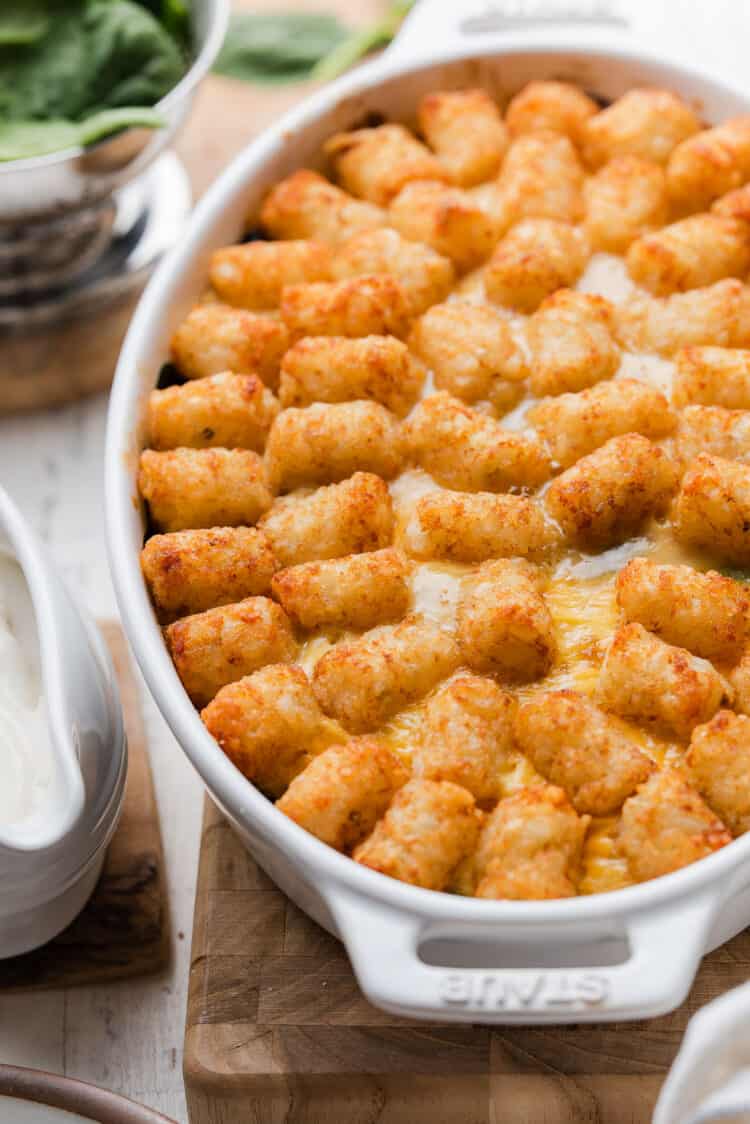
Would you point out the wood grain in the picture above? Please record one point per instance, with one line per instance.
(277, 1030)
(124, 929)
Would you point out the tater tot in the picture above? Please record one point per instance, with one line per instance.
(466, 736)
(347, 518)
(232, 411)
(709, 164)
(648, 123)
(364, 682)
(465, 129)
(606, 496)
(470, 350)
(373, 304)
(714, 430)
(571, 342)
(190, 571)
(718, 762)
(428, 829)
(187, 488)
(531, 847)
(690, 254)
(324, 443)
(344, 791)
(718, 315)
(665, 826)
(215, 338)
(223, 644)
(535, 258)
(624, 200)
(574, 425)
(704, 612)
(358, 591)
(735, 204)
(712, 376)
(468, 451)
(305, 205)
(712, 509)
(559, 107)
(425, 275)
(575, 745)
(374, 164)
(339, 369)
(252, 275)
(655, 683)
(541, 177)
(503, 624)
(472, 527)
(446, 218)
(739, 680)
(270, 726)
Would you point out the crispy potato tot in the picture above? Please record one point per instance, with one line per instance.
(606, 496)
(503, 624)
(375, 164)
(468, 451)
(470, 350)
(364, 682)
(355, 592)
(305, 205)
(575, 745)
(226, 410)
(657, 684)
(224, 644)
(709, 164)
(373, 304)
(574, 425)
(428, 829)
(325, 443)
(690, 254)
(253, 274)
(215, 338)
(425, 275)
(466, 527)
(735, 204)
(626, 199)
(531, 847)
(718, 315)
(541, 178)
(339, 369)
(712, 376)
(703, 612)
(188, 488)
(666, 826)
(344, 791)
(190, 571)
(714, 430)
(535, 258)
(648, 123)
(571, 342)
(557, 107)
(466, 131)
(718, 762)
(446, 218)
(739, 679)
(270, 726)
(712, 509)
(347, 518)
(467, 736)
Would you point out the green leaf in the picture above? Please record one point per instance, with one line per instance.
(21, 140)
(108, 121)
(362, 41)
(277, 47)
(23, 22)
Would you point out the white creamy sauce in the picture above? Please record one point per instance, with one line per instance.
(607, 276)
(26, 765)
(436, 589)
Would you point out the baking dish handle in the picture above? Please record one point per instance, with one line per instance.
(664, 949)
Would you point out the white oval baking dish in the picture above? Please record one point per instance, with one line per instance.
(623, 955)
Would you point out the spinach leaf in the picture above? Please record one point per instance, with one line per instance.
(23, 21)
(362, 41)
(20, 140)
(277, 47)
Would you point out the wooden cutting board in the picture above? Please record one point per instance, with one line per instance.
(279, 1033)
(124, 929)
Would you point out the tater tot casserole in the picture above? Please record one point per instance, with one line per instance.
(448, 486)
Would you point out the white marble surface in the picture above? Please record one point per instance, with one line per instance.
(124, 1036)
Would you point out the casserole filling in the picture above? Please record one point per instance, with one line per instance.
(449, 494)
